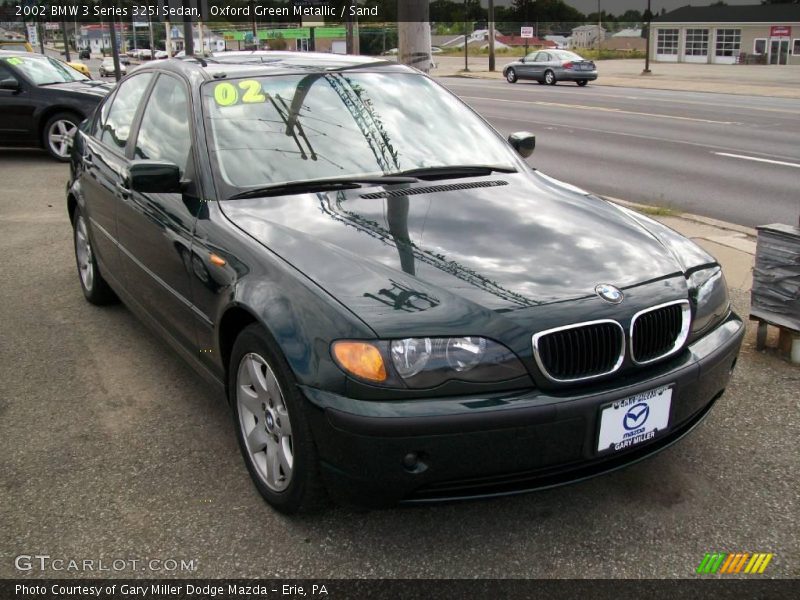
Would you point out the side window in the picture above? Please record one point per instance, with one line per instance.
(164, 133)
(101, 116)
(6, 73)
(532, 57)
(117, 125)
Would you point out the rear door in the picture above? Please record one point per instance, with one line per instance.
(105, 166)
(155, 230)
(539, 64)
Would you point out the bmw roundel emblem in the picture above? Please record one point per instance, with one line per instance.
(609, 293)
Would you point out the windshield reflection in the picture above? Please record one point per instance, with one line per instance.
(281, 129)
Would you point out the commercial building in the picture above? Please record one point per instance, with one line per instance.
(758, 34)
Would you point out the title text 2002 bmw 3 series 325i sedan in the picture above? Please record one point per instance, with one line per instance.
(397, 306)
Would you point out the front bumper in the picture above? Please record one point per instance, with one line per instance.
(504, 443)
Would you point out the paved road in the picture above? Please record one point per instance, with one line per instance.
(657, 147)
(110, 447)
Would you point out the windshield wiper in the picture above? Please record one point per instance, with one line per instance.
(321, 185)
(455, 171)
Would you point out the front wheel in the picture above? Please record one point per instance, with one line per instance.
(582, 82)
(58, 133)
(272, 429)
(549, 77)
(511, 76)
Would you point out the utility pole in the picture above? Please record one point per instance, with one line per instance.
(115, 47)
(200, 37)
(188, 37)
(414, 34)
(152, 38)
(491, 35)
(64, 38)
(648, 17)
(168, 38)
(599, 25)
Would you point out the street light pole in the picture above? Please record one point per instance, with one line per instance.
(466, 44)
(491, 35)
(649, 16)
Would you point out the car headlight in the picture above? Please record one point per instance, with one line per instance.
(428, 362)
(708, 293)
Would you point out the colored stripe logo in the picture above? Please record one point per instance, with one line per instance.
(734, 562)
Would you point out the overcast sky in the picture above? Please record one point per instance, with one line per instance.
(616, 7)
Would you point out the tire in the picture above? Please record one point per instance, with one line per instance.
(269, 416)
(549, 77)
(582, 82)
(95, 289)
(511, 76)
(57, 133)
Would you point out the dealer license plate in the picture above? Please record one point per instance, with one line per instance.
(633, 420)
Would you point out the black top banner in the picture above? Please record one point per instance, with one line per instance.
(268, 11)
(396, 589)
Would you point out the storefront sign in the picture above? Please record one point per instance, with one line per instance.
(780, 31)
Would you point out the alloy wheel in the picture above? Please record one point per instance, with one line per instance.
(83, 252)
(264, 422)
(59, 136)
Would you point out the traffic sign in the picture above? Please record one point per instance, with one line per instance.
(526, 32)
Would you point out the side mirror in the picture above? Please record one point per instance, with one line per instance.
(154, 177)
(9, 83)
(522, 59)
(524, 142)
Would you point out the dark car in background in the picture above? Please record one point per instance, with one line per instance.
(397, 306)
(42, 101)
(550, 67)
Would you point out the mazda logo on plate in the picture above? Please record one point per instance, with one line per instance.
(609, 293)
(636, 416)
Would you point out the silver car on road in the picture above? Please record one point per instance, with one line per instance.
(550, 67)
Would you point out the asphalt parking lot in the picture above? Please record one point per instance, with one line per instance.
(111, 448)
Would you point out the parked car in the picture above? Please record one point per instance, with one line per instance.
(81, 68)
(15, 45)
(42, 101)
(550, 67)
(85, 54)
(397, 306)
(161, 54)
(107, 67)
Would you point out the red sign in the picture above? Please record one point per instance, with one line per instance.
(780, 31)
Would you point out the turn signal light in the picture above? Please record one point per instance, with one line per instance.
(361, 359)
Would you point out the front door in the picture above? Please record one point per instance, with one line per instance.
(156, 229)
(778, 51)
(104, 167)
(16, 109)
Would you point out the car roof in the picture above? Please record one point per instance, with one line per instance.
(265, 63)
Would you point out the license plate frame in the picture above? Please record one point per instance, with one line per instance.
(634, 420)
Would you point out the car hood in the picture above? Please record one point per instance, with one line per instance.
(505, 243)
(91, 88)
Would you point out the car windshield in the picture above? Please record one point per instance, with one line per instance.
(564, 55)
(281, 129)
(42, 70)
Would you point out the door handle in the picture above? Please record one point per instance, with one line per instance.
(123, 191)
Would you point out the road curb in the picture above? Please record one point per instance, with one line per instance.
(716, 223)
